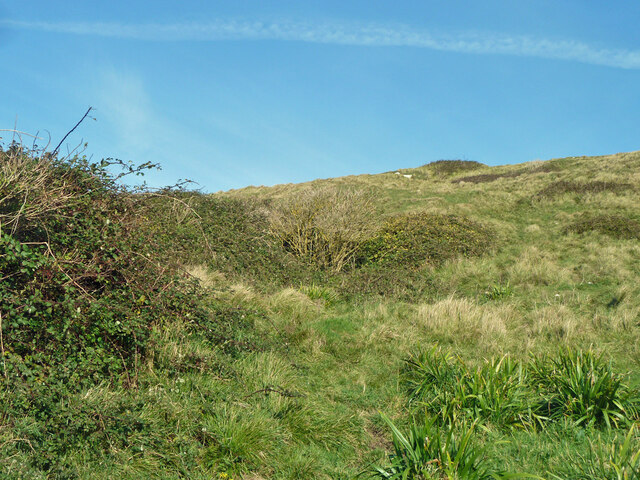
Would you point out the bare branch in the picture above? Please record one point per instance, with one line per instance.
(20, 133)
(55, 150)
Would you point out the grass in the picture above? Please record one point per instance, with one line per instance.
(284, 369)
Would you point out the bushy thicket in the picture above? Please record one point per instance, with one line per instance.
(342, 243)
(81, 286)
(416, 239)
(326, 227)
(90, 273)
(229, 236)
(450, 167)
(616, 226)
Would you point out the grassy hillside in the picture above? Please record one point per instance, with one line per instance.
(449, 321)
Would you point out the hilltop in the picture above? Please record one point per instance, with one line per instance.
(324, 329)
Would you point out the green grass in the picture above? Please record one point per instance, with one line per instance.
(274, 368)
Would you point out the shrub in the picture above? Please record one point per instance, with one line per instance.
(488, 177)
(230, 235)
(449, 167)
(80, 288)
(562, 187)
(326, 227)
(615, 226)
(415, 239)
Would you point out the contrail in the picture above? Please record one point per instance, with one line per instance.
(367, 35)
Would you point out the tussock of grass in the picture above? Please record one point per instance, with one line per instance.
(461, 320)
(293, 305)
(555, 323)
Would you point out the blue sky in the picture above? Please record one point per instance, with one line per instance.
(236, 93)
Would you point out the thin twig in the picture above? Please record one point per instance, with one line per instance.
(57, 264)
(267, 390)
(4, 366)
(20, 133)
(55, 150)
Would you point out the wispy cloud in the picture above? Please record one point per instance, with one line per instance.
(369, 35)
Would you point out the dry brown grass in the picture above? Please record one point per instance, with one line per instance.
(207, 277)
(553, 323)
(27, 187)
(535, 267)
(463, 320)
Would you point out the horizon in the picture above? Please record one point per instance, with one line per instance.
(290, 93)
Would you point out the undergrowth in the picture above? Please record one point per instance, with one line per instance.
(616, 226)
(562, 187)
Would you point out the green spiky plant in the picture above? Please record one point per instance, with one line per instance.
(583, 386)
(428, 451)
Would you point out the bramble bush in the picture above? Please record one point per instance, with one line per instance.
(80, 286)
(229, 236)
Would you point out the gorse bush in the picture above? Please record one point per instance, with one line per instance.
(326, 226)
(416, 239)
